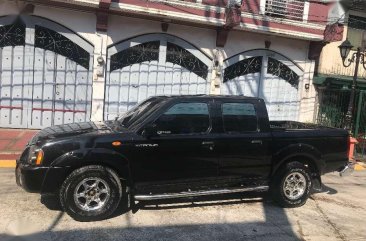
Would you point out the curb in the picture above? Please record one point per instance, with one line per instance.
(360, 166)
(7, 163)
(9, 155)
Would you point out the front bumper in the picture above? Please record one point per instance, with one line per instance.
(29, 177)
(347, 169)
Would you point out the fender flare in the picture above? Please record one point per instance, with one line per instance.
(299, 150)
(68, 162)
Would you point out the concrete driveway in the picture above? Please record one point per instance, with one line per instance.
(338, 213)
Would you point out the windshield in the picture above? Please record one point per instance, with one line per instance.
(138, 111)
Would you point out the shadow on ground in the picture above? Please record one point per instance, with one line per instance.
(275, 227)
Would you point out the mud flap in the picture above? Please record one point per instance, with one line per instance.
(317, 183)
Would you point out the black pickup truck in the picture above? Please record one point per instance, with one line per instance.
(180, 146)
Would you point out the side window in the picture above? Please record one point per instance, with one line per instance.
(239, 117)
(184, 118)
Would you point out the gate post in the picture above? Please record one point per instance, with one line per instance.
(99, 75)
(358, 116)
(217, 72)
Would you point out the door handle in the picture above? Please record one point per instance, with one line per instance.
(207, 143)
(257, 142)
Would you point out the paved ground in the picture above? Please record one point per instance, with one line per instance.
(338, 213)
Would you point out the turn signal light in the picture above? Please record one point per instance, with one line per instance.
(116, 143)
(39, 157)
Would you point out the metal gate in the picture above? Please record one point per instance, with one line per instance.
(150, 65)
(268, 75)
(333, 105)
(45, 74)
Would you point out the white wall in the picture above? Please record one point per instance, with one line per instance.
(121, 28)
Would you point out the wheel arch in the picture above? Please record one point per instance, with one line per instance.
(303, 153)
(63, 166)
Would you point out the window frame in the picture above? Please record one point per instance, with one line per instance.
(166, 108)
(238, 102)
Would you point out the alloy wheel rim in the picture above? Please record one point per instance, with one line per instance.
(91, 194)
(294, 185)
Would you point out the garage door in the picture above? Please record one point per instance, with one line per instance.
(150, 65)
(268, 75)
(45, 74)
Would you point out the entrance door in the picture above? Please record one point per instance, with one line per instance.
(151, 65)
(45, 74)
(268, 75)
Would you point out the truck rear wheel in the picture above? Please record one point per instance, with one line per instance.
(91, 193)
(291, 185)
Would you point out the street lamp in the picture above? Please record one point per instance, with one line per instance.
(358, 57)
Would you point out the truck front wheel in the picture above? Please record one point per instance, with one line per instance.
(91, 193)
(291, 185)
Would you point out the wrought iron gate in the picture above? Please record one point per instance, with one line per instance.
(265, 74)
(45, 73)
(150, 65)
(360, 125)
(333, 105)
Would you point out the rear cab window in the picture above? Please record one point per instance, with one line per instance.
(184, 118)
(239, 117)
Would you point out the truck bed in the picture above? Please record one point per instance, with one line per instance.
(294, 125)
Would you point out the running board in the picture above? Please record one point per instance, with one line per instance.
(198, 193)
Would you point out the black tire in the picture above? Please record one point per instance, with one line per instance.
(109, 178)
(277, 186)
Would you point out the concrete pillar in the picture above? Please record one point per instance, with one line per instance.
(308, 96)
(99, 75)
(217, 72)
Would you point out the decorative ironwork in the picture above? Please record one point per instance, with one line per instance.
(180, 56)
(12, 35)
(243, 67)
(279, 69)
(51, 40)
(357, 56)
(148, 51)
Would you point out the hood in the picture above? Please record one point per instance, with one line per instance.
(70, 130)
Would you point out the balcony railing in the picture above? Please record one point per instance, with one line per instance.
(289, 9)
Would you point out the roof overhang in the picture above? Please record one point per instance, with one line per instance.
(357, 5)
(338, 81)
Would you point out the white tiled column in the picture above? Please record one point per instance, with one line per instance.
(99, 76)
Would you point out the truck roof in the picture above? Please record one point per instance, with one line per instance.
(207, 96)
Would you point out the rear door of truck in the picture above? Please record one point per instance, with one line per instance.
(244, 145)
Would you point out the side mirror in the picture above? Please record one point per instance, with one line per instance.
(149, 131)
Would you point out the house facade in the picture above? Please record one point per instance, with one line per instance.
(81, 60)
(334, 76)
(331, 71)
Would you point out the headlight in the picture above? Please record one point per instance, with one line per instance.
(37, 157)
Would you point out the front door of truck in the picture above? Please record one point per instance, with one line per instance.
(244, 149)
(182, 154)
